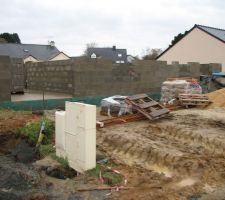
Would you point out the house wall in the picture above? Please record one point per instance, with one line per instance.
(5, 78)
(60, 56)
(197, 46)
(99, 77)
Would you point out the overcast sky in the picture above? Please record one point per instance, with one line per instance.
(134, 25)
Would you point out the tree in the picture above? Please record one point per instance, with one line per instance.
(151, 54)
(11, 37)
(178, 38)
(89, 45)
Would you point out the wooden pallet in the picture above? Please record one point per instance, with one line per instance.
(147, 106)
(193, 100)
(188, 79)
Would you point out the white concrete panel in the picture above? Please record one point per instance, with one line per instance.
(86, 115)
(81, 149)
(61, 153)
(79, 115)
(60, 130)
(71, 122)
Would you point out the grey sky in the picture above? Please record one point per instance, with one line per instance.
(135, 25)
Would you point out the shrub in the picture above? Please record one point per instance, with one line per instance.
(45, 150)
(32, 130)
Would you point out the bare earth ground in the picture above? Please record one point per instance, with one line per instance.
(175, 158)
(183, 154)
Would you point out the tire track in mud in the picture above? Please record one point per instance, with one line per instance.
(198, 142)
(170, 147)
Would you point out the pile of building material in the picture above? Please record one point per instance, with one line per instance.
(171, 88)
(142, 106)
(115, 105)
(218, 98)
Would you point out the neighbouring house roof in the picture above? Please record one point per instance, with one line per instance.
(40, 52)
(214, 32)
(110, 53)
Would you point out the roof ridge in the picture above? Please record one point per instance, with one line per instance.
(210, 27)
(26, 44)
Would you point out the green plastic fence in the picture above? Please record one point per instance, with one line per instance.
(50, 104)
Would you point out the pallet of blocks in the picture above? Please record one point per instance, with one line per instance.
(193, 100)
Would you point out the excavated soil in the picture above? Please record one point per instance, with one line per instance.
(183, 154)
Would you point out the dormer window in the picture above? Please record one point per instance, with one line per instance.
(93, 55)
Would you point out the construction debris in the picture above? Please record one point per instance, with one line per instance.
(143, 107)
(116, 188)
(120, 120)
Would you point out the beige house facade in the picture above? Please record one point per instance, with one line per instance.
(201, 44)
(60, 56)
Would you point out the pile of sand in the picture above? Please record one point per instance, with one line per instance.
(218, 98)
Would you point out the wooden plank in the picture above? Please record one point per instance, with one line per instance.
(148, 104)
(197, 100)
(137, 96)
(157, 113)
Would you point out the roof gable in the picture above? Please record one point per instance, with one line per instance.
(214, 32)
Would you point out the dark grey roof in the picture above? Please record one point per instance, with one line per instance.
(109, 53)
(40, 52)
(216, 32)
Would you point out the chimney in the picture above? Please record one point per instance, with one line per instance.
(114, 48)
(52, 43)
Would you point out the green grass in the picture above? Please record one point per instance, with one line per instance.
(45, 150)
(31, 131)
(61, 160)
(111, 178)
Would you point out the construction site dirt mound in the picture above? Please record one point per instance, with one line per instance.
(183, 153)
(218, 98)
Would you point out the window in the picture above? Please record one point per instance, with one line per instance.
(119, 55)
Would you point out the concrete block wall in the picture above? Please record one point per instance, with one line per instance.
(18, 75)
(53, 76)
(99, 77)
(5, 78)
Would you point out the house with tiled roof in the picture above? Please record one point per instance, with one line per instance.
(32, 52)
(118, 56)
(201, 44)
